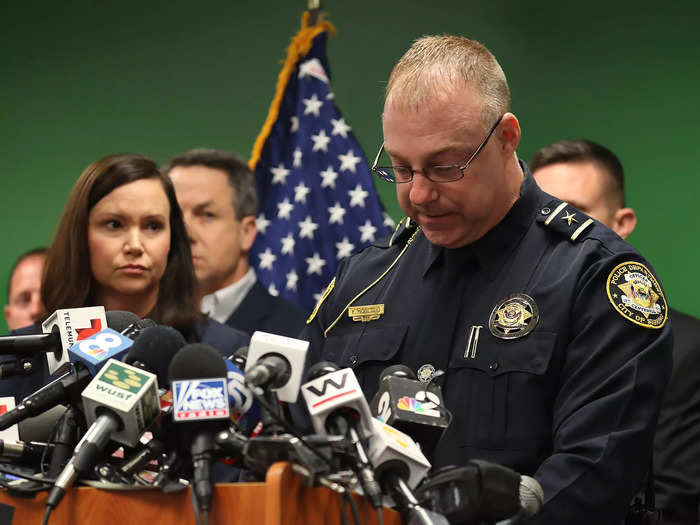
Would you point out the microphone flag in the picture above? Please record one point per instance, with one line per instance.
(317, 199)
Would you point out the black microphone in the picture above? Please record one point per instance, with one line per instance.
(198, 376)
(411, 406)
(154, 349)
(30, 345)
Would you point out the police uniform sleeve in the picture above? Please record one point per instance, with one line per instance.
(614, 372)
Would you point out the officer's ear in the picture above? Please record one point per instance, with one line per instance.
(624, 222)
(508, 134)
(248, 232)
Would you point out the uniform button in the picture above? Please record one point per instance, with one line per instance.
(545, 211)
(493, 365)
(353, 359)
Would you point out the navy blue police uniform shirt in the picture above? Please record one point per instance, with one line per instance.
(553, 334)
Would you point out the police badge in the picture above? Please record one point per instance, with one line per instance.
(636, 295)
(514, 317)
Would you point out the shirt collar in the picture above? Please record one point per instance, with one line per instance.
(222, 303)
(494, 248)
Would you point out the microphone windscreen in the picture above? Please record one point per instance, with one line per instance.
(197, 361)
(397, 371)
(146, 323)
(155, 347)
(320, 369)
(119, 320)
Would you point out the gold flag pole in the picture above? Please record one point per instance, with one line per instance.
(314, 8)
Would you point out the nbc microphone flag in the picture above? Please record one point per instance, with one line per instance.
(317, 201)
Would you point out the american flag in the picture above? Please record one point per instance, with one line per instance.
(317, 201)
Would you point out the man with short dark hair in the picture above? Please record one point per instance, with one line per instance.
(551, 330)
(24, 305)
(590, 177)
(216, 192)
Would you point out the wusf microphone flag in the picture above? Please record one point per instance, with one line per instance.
(317, 201)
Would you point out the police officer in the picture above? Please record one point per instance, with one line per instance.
(552, 331)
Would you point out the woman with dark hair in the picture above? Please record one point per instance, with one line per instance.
(121, 243)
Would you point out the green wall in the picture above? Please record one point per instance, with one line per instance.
(81, 80)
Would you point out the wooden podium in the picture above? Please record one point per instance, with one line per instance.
(281, 499)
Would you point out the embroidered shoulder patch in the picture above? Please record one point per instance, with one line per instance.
(636, 294)
(325, 294)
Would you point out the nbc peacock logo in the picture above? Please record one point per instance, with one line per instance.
(410, 404)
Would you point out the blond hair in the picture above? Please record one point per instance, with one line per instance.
(435, 66)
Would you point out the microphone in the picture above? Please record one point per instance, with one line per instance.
(400, 466)
(74, 324)
(411, 406)
(198, 377)
(154, 349)
(276, 362)
(531, 498)
(119, 404)
(337, 406)
(23, 451)
(244, 408)
(30, 345)
(94, 351)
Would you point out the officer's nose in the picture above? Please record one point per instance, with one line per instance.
(423, 190)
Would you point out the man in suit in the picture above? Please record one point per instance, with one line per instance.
(590, 177)
(216, 192)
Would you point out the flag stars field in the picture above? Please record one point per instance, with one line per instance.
(345, 248)
(312, 105)
(279, 174)
(336, 214)
(320, 141)
(288, 244)
(315, 264)
(367, 230)
(348, 161)
(358, 196)
(307, 227)
(340, 127)
(328, 177)
(284, 209)
(267, 259)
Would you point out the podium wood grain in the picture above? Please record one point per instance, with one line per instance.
(282, 500)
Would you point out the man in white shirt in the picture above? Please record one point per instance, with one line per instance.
(217, 194)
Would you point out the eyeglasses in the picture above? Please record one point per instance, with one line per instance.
(403, 174)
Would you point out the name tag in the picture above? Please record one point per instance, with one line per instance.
(370, 312)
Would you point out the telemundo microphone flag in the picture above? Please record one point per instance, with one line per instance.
(317, 201)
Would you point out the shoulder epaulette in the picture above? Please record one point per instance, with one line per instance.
(564, 219)
(404, 230)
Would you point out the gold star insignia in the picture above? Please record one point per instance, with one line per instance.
(569, 217)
